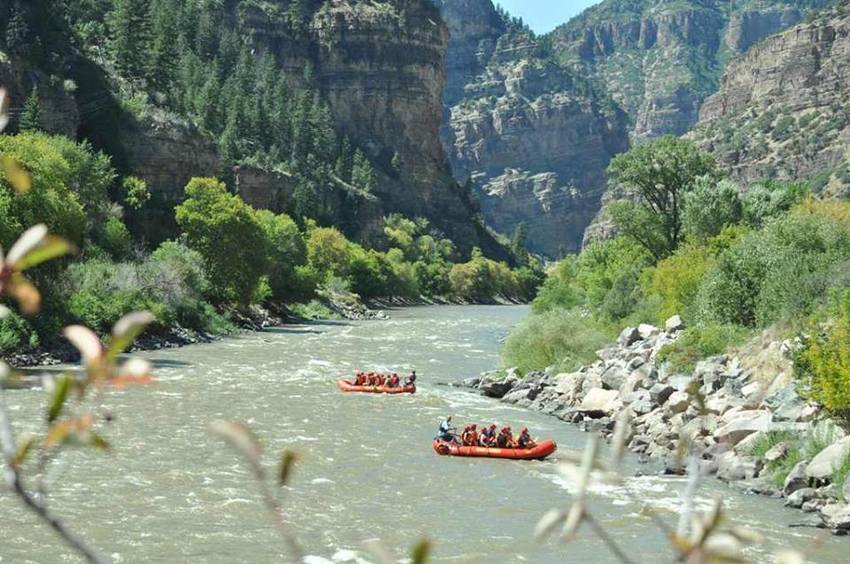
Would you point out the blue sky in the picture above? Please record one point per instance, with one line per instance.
(545, 15)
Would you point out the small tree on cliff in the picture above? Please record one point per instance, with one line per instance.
(31, 116)
(659, 174)
(226, 232)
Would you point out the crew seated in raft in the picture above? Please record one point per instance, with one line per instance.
(469, 436)
(505, 438)
(393, 381)
(488, 437)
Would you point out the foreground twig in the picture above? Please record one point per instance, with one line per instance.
(13, 479)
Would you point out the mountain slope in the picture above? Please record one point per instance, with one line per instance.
(782, 110)
(660, 59)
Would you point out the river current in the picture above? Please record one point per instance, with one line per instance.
(169, 491)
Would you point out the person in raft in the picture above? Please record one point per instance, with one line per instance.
(411, 380)
(469, 437)
(393, 381)
(446, 432)
(360, 380)
(505, 438)
(487, 438)
(524, 440)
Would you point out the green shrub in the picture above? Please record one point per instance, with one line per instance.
(313, 310)
(823, 365)
(560, 289)
(699, 343)
(115, 239)
(17, 335)
(771, 199)
(328, 251)
(710, 208)
(286, 250)
(563, 338)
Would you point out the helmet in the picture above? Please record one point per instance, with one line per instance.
(492, 425)
(506, 429)
(473, 426)
(524, 430)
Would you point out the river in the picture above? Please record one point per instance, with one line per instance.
(170, 492)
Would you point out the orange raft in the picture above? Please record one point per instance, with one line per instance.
(349, 387)
(539, 452)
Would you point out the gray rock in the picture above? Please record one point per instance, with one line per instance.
(660, 393)
(829, 460)
(628, 336)
(785, 404)
(778, 452)
(836, 516)
(614, 377)
(731, 467)
(599, 402)
(814, 505)
(744, 424)
(647, 331)
(674, 324)
(678, 402)
(799, 497)
(493, 387)
(514, 396)
(796, 479)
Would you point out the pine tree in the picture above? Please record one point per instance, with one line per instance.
(207, 103)
(31, 116)
(228, 148)
(518, 240)
(344, 163)
(164, 49)
(130, 45)
(17, 31)
(362, 173)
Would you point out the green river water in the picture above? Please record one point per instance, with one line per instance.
(171, 492)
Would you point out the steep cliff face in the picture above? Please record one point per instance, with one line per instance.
(782, 110)
(660, 59)
(531, 135)
(378, 65)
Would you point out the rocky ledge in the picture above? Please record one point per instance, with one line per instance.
(720, 413)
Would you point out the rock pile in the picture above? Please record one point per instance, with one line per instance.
(719, 412)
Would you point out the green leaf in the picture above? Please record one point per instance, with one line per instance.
(50, 248)
(60, 395)
(420, 552)
(126, 330)
(18, 177)
(287, 462)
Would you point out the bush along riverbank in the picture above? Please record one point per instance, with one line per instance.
(740, 414)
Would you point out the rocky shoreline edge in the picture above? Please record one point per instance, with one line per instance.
(721, 412)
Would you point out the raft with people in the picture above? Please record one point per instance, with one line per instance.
(538, 452)
(377, 383)
(490, 444)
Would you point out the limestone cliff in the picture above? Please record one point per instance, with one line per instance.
(782, 110)
(532, 136)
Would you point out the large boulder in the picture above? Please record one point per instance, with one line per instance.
(628, 337)
(569, 385)
(614, 376)
(647, 331)
(796, 479)
(836, 517)
(674, 324)
(495, 386)
(829, 460)
(797, 498)
(660, 393)
(742, 425)
(678, 402)
(600, 403)
(732, 468)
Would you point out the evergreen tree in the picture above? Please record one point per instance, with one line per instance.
(17, 30)
(344, 163)
(207, 103)
(228, 148)
(362, 173)
(31, 116)
(518, 240)
(164, 49)
(130, 45)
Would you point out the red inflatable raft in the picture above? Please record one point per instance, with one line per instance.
(539, 452)
(347, 386)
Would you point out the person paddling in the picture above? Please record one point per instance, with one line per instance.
(505, 438)
(446, 432)
(411, 380)
(470, 435)
(524, 440)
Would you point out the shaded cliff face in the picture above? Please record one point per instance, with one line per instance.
(660, 59)
(783, 109)
(531, 135)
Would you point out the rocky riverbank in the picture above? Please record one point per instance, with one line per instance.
(742, 419)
